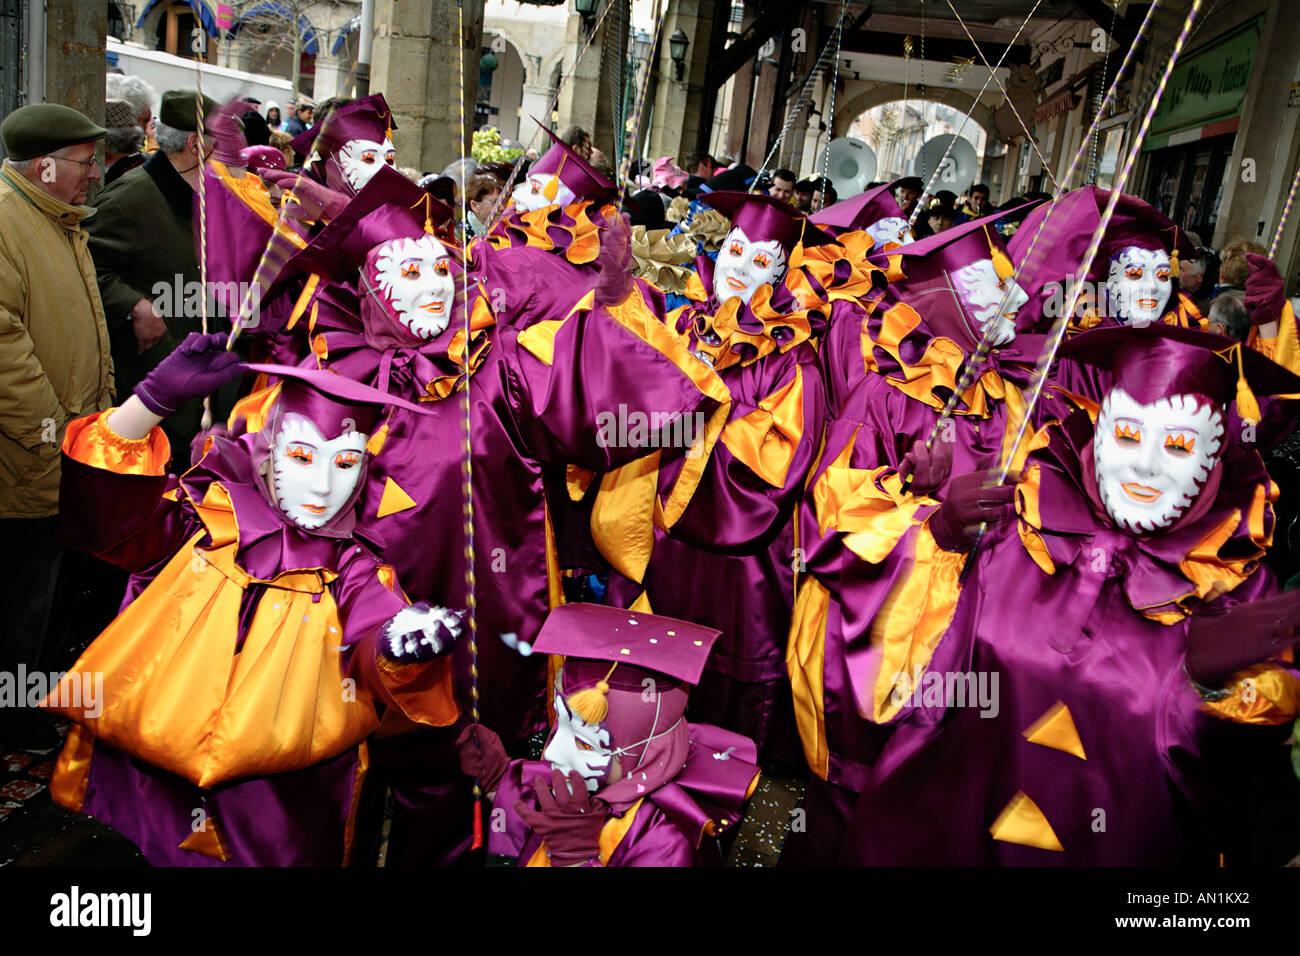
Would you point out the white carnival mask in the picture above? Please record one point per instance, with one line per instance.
(743, 265)
(360, 159)
(1153, 460)
(414, 276)
(577, 745)
(891, 230)
(531, 193)
(981, 291)
(1138, 286)
(314, 477)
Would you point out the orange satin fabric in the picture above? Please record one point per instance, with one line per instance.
(91, 441)
(584, 244)
(766, 439)
(611, 835)
(805, 658)
(937, 368)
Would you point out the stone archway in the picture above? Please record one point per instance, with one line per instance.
(508, 79)
(871, 94)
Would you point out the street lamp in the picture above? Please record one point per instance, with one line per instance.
(677, 44)
(587, 10)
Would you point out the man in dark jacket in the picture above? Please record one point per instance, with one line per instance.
(142, 241)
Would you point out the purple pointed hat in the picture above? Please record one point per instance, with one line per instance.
(1158, 361)
(334, 403)
(763, 218)
(861, 210)
(1067, 230)
(366, 118)
(388, 206)
(573, 171)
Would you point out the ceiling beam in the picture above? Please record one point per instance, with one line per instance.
(936, 48)
(764, 26)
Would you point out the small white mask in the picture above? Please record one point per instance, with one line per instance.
(531, 193)
(360, 159)
(1138, 286)
(891, 230)
(415, 277)
(981, 291)
(577, 745)
(1152, 460)
(743, 265)
(313, 477)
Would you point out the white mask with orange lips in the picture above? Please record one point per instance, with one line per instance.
(1153, 460)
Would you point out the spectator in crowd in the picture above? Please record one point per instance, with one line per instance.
(803, 195)
(284, 143)
(782, 185)
(824, 194)
(978, 203)
(1228, 315)
(908, 192)
(256, 132)
(601, 164)
(699, 167)
(141, 96)
(125, 140)
(142, 241)
(941, 216)
(271, 113)
(54, 366)
(482, 192)
(1191, 278)
(301, 120)
(579, 140)
(1234, 268)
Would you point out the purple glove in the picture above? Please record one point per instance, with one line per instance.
(927, 468)
(482, 756)
(972, 500)
(198, 366)
(228, 132)
(615, 259)
(259, 159)
(419, 633)
(569, 823)
(1265, 290)
(1219, 645)
(313, 201)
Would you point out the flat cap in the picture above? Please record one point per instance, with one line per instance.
(41, 128)
(179, 110)
(118, 114)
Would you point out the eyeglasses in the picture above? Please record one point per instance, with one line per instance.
(88, 163)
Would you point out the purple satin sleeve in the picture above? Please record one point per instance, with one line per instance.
(243, 237)
(365, 606)
(600, 373)
(527, 285)
(843, 366)
(652, 840)
(735, 509)
(121, 519)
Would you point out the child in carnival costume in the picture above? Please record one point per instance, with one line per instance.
(624, 780)
(261, 639)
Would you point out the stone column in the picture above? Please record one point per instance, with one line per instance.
(1269, 137)
(330, 74)
(74, 55)
(415, 67)
(590, 92)
(678, 105)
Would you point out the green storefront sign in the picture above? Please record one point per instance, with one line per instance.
(1207, 86)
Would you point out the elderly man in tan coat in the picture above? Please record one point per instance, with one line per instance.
(55, 365)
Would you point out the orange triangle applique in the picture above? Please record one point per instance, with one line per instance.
(394, 500)
(207, 841)
(1022, 822)
(1056, 729)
